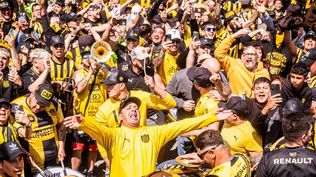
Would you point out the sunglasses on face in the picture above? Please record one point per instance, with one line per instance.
(86, 56)
(210, 29)
(204, 151)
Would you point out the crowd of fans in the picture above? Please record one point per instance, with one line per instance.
(232, 81)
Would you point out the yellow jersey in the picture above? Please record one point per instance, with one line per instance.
(43, 144)
(205, 104)
(168, 67)
(59, 72)
(9, 132)
(88, 105)
(134, 151)
(242, 138)
(238, 166)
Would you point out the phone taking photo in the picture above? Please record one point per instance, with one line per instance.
(275, 89)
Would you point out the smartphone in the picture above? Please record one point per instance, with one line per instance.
(275, 89)
(195, 36)
(168, 38)
(123, 22)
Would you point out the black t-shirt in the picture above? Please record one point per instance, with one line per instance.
(134, 81)
(8, 89)
(29, 77)
(288, 162)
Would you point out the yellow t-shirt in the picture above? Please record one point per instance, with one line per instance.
(108, 113)
(168, 68)
(242, 138)
(134, 151)
(238, 166)
(43, 144)
(205, 105)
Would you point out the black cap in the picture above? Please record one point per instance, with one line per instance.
(44, 94)
(205, 42)
(132, 34)
(54, 40)
(309, 34)
(128, 100)
(85, 42)
(114, 76)
(309, 58)
(200, 75)
(60, 3)
(5, 100)
(22, 16)
(156, 19)
(70, 17)
(26, 37)
(10, 150)
(237, 105)
(293, 105)
(4, 5)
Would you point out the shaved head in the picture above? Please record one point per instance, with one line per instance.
(212, 65)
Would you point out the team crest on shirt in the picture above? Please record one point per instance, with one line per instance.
(145, 138)
(31, 117)
(52, 112)
(6, 84)
(124, 67)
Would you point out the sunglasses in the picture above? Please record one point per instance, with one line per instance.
(210, 29)
(85, 57)
(204, 151)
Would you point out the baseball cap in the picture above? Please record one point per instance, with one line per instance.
(205, 42)
(22, 16)
(292, 105)
(129, 100)
(156, 19)
(200, 75)
(237, 104)
(115, 76)
(85, 42)
(60, 3)
(309, 58)
(174, 34)
(5, 101)
(26, 37)
(10, 150)
(310, 34)
(44, 94)
(54, 40)
(136, 9)
(70, 17)
(139, 53)
(132, 34)
(4, 5)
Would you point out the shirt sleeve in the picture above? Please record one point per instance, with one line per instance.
(102, 134)
(261, 170)
(155, 102)
(172, 130)
(221, 53)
